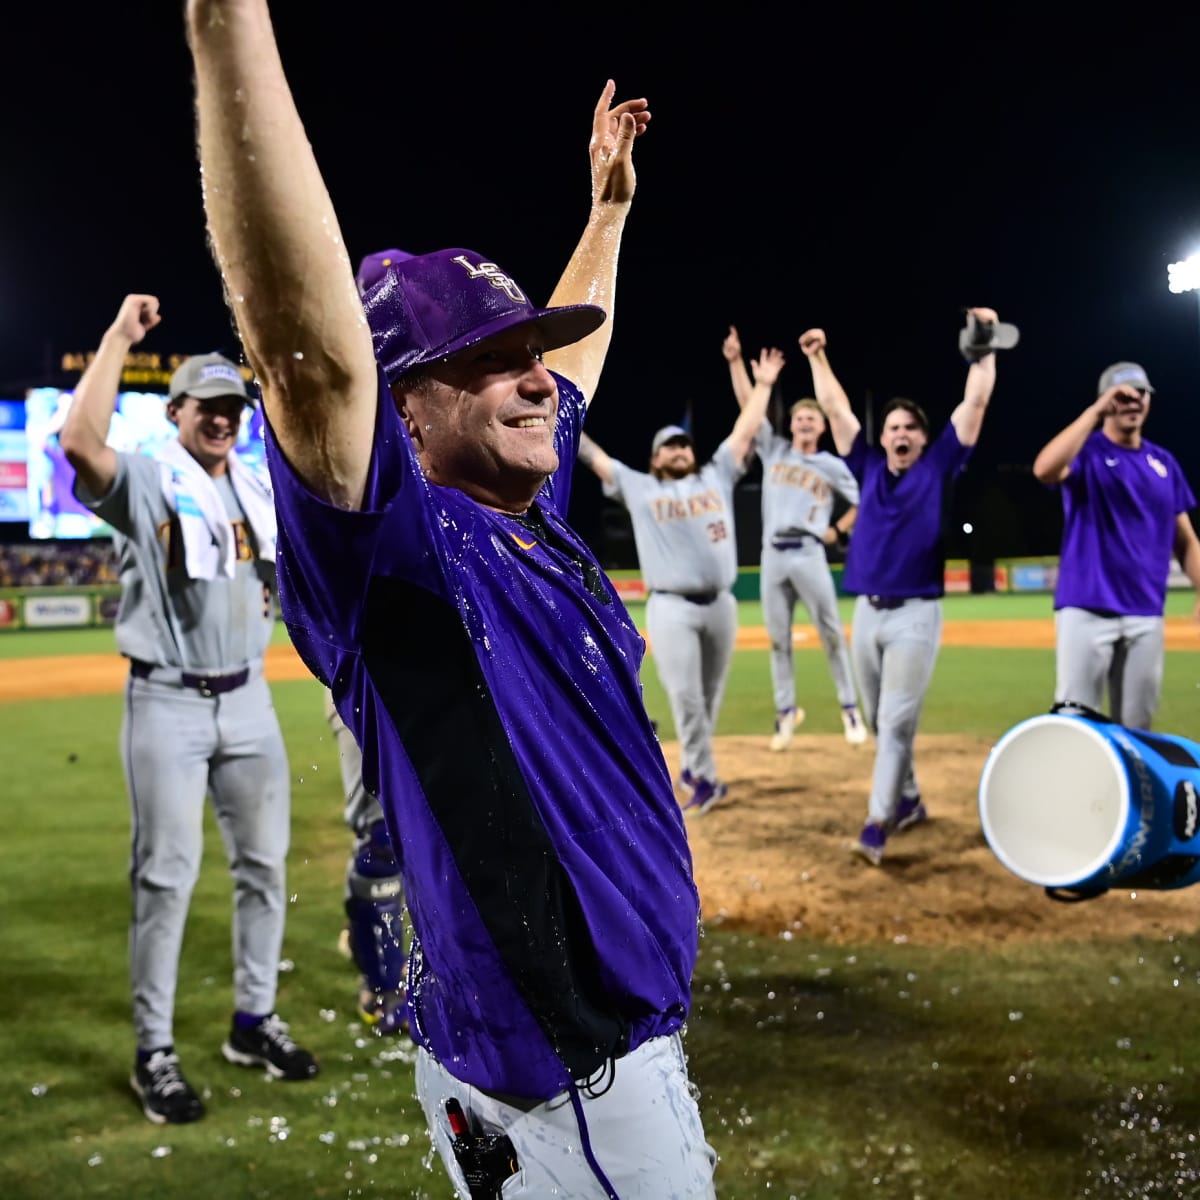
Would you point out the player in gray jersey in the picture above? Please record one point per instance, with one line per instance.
(799, 484)
(687, 549)
(196, 546)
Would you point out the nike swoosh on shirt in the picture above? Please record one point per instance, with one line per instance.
(523, 545)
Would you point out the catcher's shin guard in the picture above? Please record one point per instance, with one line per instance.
(375, 912)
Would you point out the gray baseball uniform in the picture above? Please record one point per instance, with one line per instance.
(198, 719)
(687, 550)
(797, 502)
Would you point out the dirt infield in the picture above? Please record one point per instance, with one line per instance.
(773, 858)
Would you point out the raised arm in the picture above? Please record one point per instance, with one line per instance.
(766, 371)
(591, 274)
(596, 459)
(84, 435)
(967, 418)
(731, 347)
(276, 240)
(830, 394)
(1054, 459)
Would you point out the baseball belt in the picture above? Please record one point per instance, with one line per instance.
(206, 685)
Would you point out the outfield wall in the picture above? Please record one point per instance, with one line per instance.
(88, 606)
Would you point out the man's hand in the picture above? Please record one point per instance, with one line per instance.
(137, 316)
(812, 342)
(731, 347)
(611, 148)
(767, 366)
(1109, 402)
(985, 315)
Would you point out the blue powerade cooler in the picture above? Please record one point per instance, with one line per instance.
(1078, 804)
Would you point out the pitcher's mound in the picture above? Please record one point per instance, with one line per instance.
(773, 857)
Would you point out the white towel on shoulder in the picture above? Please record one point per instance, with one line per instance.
(208, 542)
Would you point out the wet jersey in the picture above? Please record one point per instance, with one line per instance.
(490, 675)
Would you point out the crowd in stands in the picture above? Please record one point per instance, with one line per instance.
(57, 564)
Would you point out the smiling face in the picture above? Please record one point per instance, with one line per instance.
(674, 459)
(807, 425)
(903, 439)
(483, 420)
(208, 429)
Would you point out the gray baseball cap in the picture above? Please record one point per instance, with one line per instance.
(207, 376)
(1128, 373)
(665, 434)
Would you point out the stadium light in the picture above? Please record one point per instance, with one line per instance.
(1184, 276)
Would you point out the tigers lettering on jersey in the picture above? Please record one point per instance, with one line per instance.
(672, 508)
(170, 537)
(796, 476)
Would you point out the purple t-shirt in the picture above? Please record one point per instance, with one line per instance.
(490, 675)
(896, 548)
(1119, 511)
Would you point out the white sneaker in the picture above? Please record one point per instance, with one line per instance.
(785, 724)
(854, 725)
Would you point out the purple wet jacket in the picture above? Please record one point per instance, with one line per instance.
(490, 674)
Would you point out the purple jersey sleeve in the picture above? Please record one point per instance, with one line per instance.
(327, 553)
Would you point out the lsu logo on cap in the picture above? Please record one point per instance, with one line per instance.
(495, 276)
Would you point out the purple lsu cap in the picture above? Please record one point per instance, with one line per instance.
(425, 307)
(373, 268)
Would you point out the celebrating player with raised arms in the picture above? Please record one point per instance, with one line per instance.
(896, 564)
(799, 487)
(687, 549)
(196, 544)
(422, 461)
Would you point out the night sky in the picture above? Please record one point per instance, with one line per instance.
(870, 174)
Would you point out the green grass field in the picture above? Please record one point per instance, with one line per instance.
(824, 1072)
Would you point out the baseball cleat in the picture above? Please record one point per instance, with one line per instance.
(704, 797)
(909, 813)
(268, 1045)
(687, 781)
(853, 724)
(871, 842)
(785, 723)
(385, 1012)
(167, 1098)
